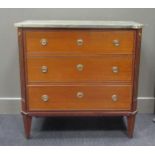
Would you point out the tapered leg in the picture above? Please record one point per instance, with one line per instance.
(27, 125)
(131, 124)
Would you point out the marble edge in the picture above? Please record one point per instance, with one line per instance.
(32, 24)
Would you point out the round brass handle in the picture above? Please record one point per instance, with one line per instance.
(43, 42)
(80, 42)
(116, 43)
(79, 67)
(115, 69)
(80, 94)
(44, 98)
(114, 98)
(44, 69)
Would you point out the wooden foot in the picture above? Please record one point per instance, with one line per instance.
(27, 125)
(131, 124)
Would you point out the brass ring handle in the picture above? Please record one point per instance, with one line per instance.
(114, 98)
(115, 69)
(44, 98)
(43, 42)
(80, 42)
(80, 94)
(80, 67)
(116, 43)
(44, 69)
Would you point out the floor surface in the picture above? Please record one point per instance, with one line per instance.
(77, 131)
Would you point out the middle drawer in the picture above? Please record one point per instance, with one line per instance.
(80, 69)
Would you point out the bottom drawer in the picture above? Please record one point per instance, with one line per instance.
(79, 97)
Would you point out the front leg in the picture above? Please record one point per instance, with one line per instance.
(130, 125)
(27, 120)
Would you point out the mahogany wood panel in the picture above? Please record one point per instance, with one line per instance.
(64, 69)
(22, 65)
(94, 41)
(95, 97)
(81, 113)
(136, 69)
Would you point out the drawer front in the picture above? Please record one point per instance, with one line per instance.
(80, 41)
(80, 69)
(84, 97)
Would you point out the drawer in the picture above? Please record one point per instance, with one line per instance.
(80, 69)
(80, 41)
(79, 97)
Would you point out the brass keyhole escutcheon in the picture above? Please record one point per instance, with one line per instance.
(115, 69)
(80, 42)
(80, 94)
(43, 42)
(44, 69)
(44, 98)
(114, 98)
(80, 67)
(116, 42)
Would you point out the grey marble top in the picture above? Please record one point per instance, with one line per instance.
(78, 24)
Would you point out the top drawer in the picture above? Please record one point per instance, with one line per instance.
(80, 41)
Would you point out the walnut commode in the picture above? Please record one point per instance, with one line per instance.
(79, 68)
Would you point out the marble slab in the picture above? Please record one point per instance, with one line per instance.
(78, 24)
